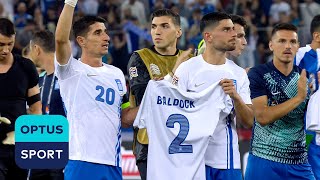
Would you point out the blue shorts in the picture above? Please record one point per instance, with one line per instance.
(228, 174)
(82, 170)
(263, 169)
(314, 159)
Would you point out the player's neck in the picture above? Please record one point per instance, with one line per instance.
(8, 60)
(214, 57)
(230, 56)
(6, 64)
(170, 50)
(93, 61)
(284, 68)
(315, 45)
(49, 65)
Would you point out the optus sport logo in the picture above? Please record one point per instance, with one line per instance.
(41, 141)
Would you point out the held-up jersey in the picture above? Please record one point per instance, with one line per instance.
(93, 99)
(195, 75)
(179, 125)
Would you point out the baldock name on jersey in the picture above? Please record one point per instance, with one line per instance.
(182, 103)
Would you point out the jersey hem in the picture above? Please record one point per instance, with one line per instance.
(93, 160)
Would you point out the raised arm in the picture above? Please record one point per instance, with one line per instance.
(63, 46)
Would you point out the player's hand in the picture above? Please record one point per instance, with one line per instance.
(302, 86)
(229, 88)
(9, 140)
(4, 120)
(158, 78)
(318, 77)
(182, 58)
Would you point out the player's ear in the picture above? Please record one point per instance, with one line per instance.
(179, 32)
(207, 36)
(81, 41)
(316, 36)
(37, 50)
(270, 46)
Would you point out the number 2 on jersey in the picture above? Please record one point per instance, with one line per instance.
(175, 146)
(110, 95)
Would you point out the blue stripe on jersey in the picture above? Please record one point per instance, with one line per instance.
(230, 140)
(118, 146)
(227, 148)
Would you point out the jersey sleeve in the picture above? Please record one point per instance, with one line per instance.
(313, 113)
(125, 98)
(33, 74)
(245, 90)
(139, 77)
(181, 77)
(144, 110)
(67, 70)
(257, 84)
(30, 70)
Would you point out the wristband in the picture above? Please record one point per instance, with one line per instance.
(72, 3)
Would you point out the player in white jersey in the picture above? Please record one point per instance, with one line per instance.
(308, 58)
(222, 156)
(179, 128)
(313, 115)
(94, 96)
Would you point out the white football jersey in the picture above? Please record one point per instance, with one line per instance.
(313, 115)
(301, 55)
(195, 75)
(179, 129)
(308, 59)
(93, 98)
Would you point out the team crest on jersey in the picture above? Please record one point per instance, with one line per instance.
(133, 72)
(155, 70)
(175, 80)
(235, 83)
(119, 84)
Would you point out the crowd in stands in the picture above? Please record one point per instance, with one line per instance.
(129, 22)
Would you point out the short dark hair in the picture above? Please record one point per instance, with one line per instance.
(284, 26)
(6, 27)
(236, 19)
(45, 39)
(81, 26)
(167, 12)
(211, 19)
(315, 24)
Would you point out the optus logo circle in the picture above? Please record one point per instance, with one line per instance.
(41, 141)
